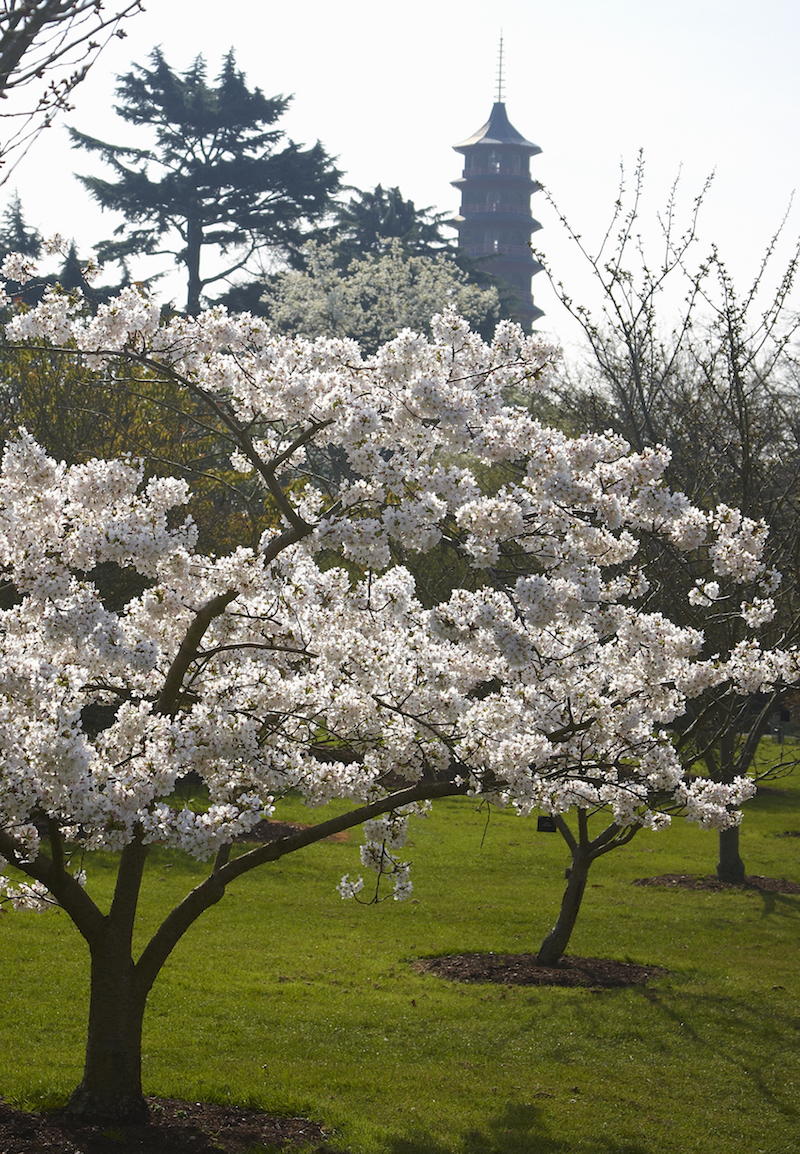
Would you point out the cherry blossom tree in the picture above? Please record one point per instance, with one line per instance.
(375, 297)
(541, 682)
(678, 355)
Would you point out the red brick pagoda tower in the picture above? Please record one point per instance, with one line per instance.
(495, 222)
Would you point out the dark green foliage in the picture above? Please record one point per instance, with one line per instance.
(369, 220)
(15, 236)
(219, 176)
(70, 275)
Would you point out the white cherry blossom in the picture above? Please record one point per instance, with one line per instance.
(545, 683)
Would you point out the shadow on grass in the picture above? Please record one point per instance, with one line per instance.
(742, 1036)
(787, 905)
(519, 1129)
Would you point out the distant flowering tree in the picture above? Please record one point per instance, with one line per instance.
(375, 297)
(542, 682)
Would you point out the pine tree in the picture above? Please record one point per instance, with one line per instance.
(370, 221)
(219, 176)
(15, 235)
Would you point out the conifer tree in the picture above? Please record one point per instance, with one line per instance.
(15, 235)
(370, 221)
(219, 176)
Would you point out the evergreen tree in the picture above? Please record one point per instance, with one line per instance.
(219, 176)
(15, 236)
(370, 221)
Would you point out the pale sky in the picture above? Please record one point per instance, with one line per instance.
(700, 85)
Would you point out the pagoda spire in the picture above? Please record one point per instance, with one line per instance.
(500, 71)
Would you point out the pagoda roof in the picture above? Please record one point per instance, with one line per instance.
(498, 129)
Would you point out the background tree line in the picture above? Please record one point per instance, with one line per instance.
(223, 193)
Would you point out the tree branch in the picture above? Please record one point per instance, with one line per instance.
(168, 698)
(210, 891)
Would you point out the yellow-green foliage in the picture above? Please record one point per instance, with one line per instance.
(78, 415)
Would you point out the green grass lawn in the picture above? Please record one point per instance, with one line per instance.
(287, 998)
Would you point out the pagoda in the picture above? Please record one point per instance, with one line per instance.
(495, 222)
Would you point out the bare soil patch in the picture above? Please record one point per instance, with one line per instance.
(751, 882)
(175, 1128)
(524, 970)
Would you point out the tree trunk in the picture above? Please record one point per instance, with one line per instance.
(111, 1087)
(194, 243)
(730, 867)
(555, 943)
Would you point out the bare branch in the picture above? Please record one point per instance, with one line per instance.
(46, 49)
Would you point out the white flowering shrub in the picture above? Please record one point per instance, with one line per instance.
(544, 685)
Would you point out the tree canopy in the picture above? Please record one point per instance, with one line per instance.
(220, 177)
(376, 296)
(308, 663)
(369, 221)
(15, 234)
(714, 383)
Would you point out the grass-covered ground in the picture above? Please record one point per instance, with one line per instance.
(287, 998)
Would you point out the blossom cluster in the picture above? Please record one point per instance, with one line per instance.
(542, 682)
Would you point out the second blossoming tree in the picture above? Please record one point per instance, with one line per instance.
(541, 681)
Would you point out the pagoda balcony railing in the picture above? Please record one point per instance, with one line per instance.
(496, 250)
(518, 209)
(501, 171)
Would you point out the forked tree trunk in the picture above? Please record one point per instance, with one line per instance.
(730, 867)
(554, 945)
(111, 1087)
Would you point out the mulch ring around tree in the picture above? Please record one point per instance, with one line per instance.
(175, 1128)
(524, 970)
(751, 882)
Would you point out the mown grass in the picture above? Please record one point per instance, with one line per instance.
(287, 998)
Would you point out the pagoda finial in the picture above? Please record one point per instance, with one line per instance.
(500, 71)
